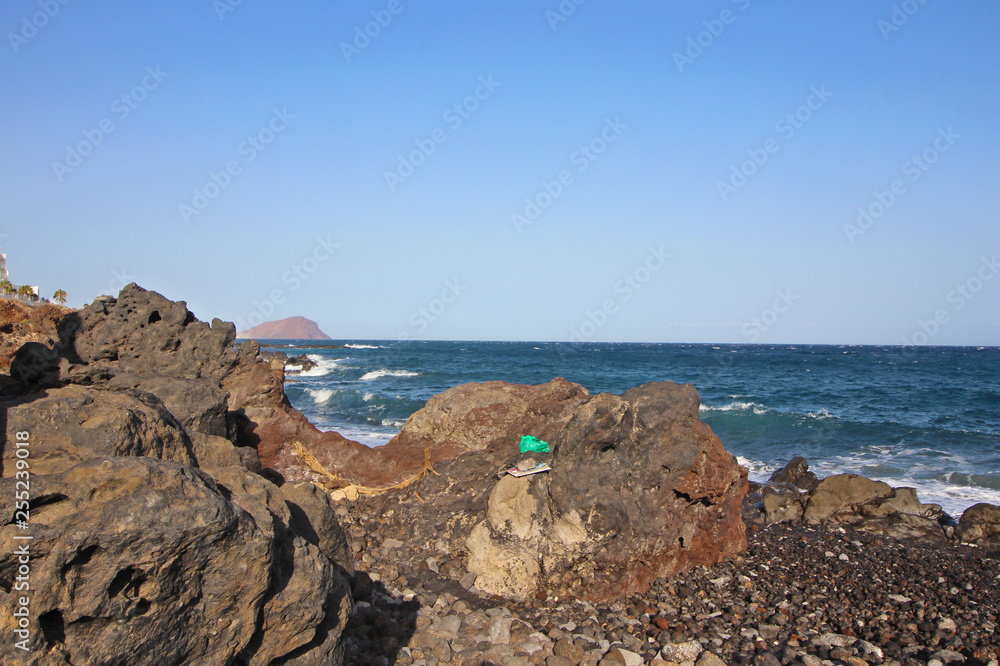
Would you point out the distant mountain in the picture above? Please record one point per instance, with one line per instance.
(292, 328)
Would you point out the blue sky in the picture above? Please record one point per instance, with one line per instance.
(665, 172)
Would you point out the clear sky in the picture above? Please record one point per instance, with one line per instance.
(725, 171)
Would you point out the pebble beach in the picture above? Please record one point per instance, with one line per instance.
(797, 595)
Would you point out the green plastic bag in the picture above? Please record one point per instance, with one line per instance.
(529, 443)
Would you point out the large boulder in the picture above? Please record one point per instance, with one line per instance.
(639, 488)
(842, 494)
(201, 405)
(142, 340)
(76, 423)
(308, 597)
(143, 333)
(795, 473)
(145, 340)
(980, 524)
(142, 559)
(313, 518)
(151, 533)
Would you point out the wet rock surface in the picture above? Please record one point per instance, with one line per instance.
(800, 594)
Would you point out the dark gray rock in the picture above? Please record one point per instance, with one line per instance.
(137, 556)
(72, 424)
(796, 473)
(313, 517)
(143, 333)
(849, 500)
(35, 366)
(199, 404)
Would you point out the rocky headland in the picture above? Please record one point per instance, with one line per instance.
(182, 512)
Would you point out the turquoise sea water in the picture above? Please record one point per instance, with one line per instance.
(927, 417)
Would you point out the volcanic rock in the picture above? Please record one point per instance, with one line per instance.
(796, 472)
(143, 340)
(639, 488)
(199, 404)
(143, 333)
(151, 533)
(138, 556)
(76, 423)
(850, 500)
(842, 493)
(980, 524)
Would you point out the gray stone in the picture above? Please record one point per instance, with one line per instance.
(450, 624)
(679, 652)
(710, 659)
(833, 640)
(631, 658)
(500, 631)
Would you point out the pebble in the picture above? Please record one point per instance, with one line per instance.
(681, 651)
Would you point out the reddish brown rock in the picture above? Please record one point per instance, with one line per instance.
(21, 323)
(639, 487)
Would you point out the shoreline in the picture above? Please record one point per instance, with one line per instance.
(798, 595)
(953, 468)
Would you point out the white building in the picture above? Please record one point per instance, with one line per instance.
(5, 275)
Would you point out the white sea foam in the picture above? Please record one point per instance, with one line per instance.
(759, 471)
(821, 414)
(353, 346)
(954, 492)
(367, 435)
(901, 467)
(324, 366)
(953, 498)
(293, 368)
(735, 405)
(320, 396)
(378, 374)
(368, 396)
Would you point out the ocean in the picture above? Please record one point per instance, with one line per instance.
(926, 417)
